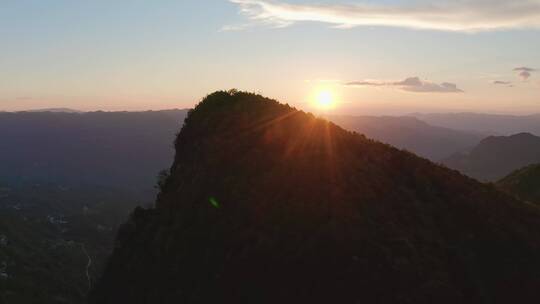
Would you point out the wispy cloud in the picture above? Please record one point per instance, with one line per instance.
(367, 83)
(234, 28)
(524, 72)
(503, 83)
(446, 15)
(411, 84)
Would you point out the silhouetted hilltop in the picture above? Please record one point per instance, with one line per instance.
(434, 143)
(524, 183)
(497, 156)
(267, 204)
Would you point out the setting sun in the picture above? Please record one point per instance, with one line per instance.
(325, 99)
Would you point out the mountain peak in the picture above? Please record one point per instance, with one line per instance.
(267, 204)
(525, 135)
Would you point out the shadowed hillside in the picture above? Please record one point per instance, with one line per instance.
(267, 204)
(524, 183)
(497, 156)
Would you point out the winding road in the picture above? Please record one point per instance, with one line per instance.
(87, 267)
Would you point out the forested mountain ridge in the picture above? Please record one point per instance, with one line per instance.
(524, 183)
(497, 156)
(267, 204)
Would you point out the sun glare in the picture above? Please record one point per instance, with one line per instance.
(325, 99)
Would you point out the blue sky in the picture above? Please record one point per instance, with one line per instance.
(137, 55)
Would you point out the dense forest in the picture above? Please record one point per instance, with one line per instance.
(267, 204)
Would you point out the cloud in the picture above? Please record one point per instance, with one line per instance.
(525, 69)
(366, 83)
(503, 83)
(234, 28)
(445, 15)
(412, 84)
(524, 72)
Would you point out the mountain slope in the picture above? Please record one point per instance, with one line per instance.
(524, 183)
(434, 143)
(497, 156)
(110, 149)
(266, 204)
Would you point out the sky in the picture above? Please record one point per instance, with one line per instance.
(386, 57)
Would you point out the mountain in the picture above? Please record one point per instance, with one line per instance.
(488, 124)
(55, 110)
(497, 156)
(113, 149)
(267, 204)
(412, 134)
(524, 183)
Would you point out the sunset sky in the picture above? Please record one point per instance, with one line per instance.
(375, 57)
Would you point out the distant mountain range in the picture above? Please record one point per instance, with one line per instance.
(113, 149)
(266, 204)
(412, 134)
(55, 110)
(489, 124)
(497, 156)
